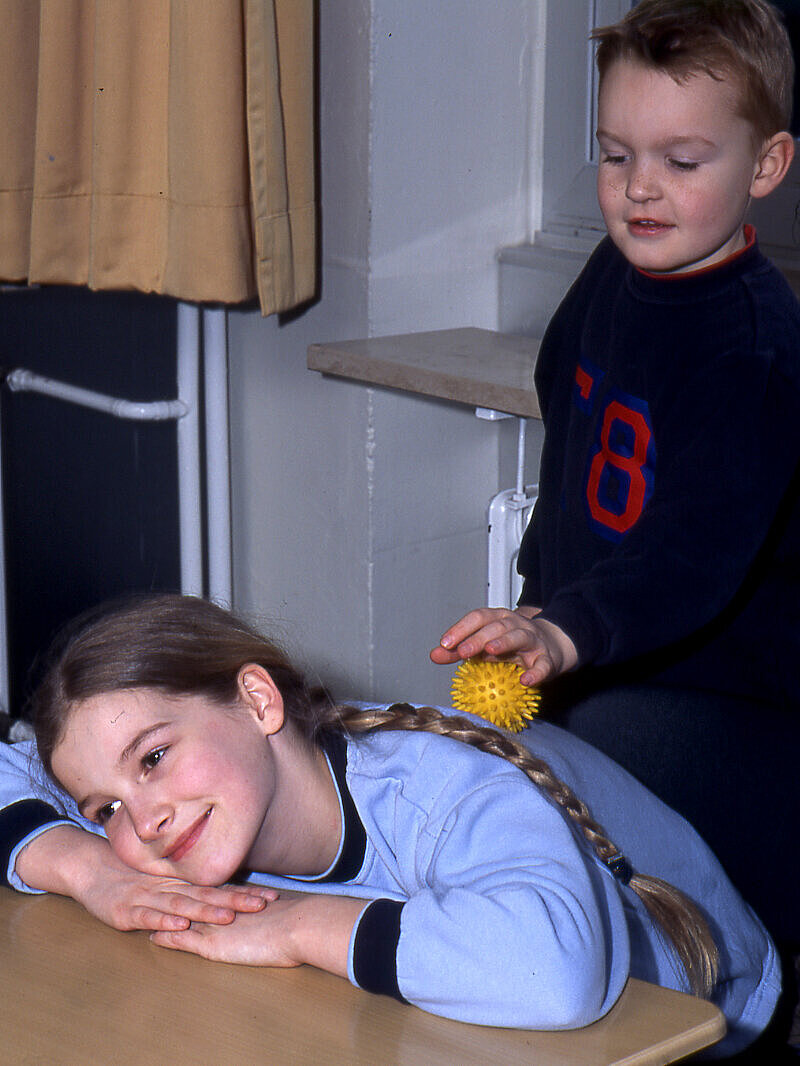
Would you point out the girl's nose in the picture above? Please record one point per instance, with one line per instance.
(151, 820)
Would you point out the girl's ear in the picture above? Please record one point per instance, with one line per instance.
(774, 161)
(261, 697)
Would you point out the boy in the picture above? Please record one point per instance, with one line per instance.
(662, 564)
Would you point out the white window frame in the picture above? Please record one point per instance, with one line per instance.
(568, 179)
(569, 200)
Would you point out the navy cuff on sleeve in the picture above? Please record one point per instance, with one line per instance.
(375, 948)
(575, 617)
(17, 821)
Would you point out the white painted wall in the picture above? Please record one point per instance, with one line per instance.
(359, 514)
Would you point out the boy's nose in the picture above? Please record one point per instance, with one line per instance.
(642, 183)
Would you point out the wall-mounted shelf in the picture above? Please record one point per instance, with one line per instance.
(473, 366)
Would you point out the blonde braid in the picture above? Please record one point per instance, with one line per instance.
(674, 912)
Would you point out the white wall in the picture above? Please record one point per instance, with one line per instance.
(359, 514)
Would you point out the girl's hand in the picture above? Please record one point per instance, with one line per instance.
(288, 932)
(127, 899)
(544, 650)
(76, 863)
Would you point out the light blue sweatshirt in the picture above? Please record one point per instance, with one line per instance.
(489, 906)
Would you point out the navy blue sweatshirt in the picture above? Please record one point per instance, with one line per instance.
(667, 532)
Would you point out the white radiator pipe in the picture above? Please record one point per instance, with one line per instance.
(218, 479)
(520, 488)
(190, 512)
(186, 411)
(20, 380)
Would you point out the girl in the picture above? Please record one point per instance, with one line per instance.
(437, 861)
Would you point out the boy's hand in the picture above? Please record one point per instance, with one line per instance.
(544, 650)
(72, 862)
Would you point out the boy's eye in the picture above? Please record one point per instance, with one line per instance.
(107, 811)
(683, 164)
(615, 159)
(152, 758)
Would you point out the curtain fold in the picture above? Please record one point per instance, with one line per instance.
(160, 145)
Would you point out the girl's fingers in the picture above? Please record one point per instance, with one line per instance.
(178, 940)
(212, 912)
(237, 900)
(152, 918)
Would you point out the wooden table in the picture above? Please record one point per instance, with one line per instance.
(76, 992)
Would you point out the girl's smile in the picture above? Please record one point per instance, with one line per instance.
(186, 841)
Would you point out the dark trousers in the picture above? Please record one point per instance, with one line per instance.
(732, 769)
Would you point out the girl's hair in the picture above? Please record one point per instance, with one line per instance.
(744, 40)
(181, 645)
(187, 646)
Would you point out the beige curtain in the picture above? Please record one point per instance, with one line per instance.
(160, 145)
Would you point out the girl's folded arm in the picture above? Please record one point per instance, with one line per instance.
(514, 924)
(30, 805)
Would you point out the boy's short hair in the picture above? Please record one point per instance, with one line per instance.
(741, 39)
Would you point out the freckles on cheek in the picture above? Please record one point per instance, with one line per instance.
(608, 195)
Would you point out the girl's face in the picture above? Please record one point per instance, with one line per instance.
(181, 787)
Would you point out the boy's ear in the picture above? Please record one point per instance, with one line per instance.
(261, 697)
(774, 161)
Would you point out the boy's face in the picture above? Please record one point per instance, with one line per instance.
(676, 168)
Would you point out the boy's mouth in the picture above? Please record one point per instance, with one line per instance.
(647, 226)
(186, 841)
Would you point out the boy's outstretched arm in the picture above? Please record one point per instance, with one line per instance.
(544, 650)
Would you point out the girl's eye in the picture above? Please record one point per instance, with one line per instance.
(614, 160)
(683, 164)
(152, 758)
(107, 811)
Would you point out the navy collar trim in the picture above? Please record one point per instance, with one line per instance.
(750, 240)
(354, 842)
(695, 285)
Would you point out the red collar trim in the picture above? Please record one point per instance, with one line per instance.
(750, 240)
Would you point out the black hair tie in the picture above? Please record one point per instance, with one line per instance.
(620, 868)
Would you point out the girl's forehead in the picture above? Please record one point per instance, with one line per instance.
(110, 712)
(115, 707)
(112, 717)
(102, 732)
(106, 722)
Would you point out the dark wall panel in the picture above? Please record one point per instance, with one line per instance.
(90, 501)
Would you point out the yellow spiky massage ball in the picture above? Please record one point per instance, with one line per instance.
(493, 691)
